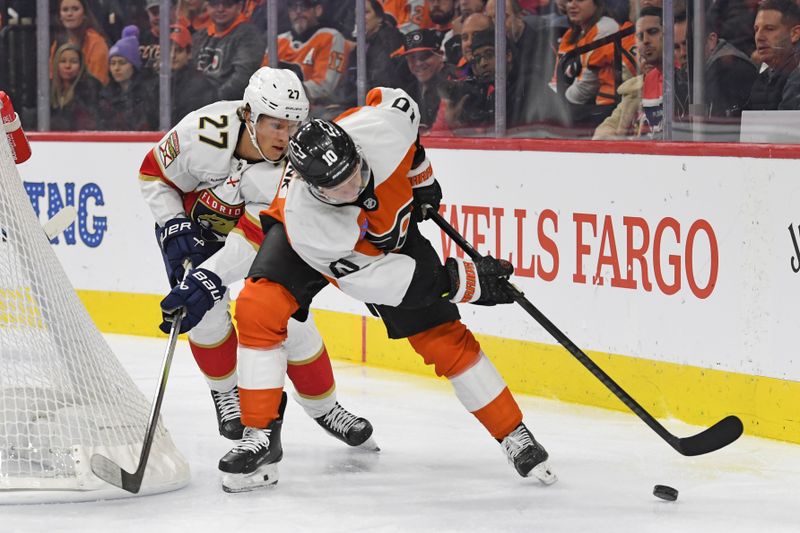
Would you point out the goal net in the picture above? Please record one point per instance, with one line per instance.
(63, 394)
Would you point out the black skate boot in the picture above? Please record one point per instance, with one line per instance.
(527, 455)
(253, 462)
(229, 415)
(348, 428)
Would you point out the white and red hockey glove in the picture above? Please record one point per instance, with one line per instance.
(484, 282)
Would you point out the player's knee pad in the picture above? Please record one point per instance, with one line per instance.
(450, 347)
(263, 309)
(303, 339)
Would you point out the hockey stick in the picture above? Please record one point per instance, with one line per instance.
(108, 470)
(60, 221)
(711, 439)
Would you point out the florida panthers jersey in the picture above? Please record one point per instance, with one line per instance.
(350, 244)
(194, 172)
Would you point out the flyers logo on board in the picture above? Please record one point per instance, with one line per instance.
(169, 149)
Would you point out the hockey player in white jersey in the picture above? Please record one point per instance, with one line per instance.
(206, 182)
(346, 212)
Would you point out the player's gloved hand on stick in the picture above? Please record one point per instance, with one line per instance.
(484, 282)
(430, 195)
(195, 295)
(181, 240)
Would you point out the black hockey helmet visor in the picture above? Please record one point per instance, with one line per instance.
(348, 190)
(323, 154)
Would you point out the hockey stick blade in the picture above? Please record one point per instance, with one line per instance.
(60, 221)
(111, 472)
(717, 436)
(712, 439)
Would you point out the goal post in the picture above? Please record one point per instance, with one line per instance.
(63, 394)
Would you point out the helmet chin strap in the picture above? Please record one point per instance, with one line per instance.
(251, 130)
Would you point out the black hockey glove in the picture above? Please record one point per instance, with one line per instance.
(429, 195)
(484, 282)
(195, 295)
(181, 240)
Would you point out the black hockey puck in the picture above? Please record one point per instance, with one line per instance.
(665, 492)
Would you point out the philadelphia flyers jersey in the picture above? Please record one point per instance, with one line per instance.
(351, 245)
(322, 58)
(193, 172)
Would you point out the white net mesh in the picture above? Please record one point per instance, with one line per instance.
(63, 393)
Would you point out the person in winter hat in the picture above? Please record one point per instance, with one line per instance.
(130, 100)
(127, 47)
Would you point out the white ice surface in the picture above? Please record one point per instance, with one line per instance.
(438, 470)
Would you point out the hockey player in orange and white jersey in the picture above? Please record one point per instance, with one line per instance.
(206, 182)
(318, 51)
(346, 212)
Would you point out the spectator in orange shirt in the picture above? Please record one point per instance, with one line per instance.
(410, 15)
(230, 50)
(78, 25)
(73, 93)
(590, 78)
(318, 52)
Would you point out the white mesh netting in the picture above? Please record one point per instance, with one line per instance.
(63, 393)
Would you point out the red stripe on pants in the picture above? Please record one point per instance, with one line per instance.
(312, 378)
(219, 361)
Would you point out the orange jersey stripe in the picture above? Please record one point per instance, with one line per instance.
(259, 407)
(501, 415)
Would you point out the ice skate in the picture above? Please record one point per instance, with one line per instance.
(229, 414)
(528, 456)
(348, 428)
(253, 462)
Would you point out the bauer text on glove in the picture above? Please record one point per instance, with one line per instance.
(180, 240)
(197, 293)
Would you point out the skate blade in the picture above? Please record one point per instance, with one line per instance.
(544, 473)
(369, 445)
(264, 476)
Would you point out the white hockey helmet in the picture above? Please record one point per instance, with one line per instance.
(277, 93)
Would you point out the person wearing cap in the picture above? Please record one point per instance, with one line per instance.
(190, 88)
(129, 101)
(229, 50)
(426, 62)
(318, 51)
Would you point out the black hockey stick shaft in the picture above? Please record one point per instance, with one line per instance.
(717, 436)
(112, 473)
(109, 471)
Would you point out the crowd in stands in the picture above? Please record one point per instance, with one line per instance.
(590, 68)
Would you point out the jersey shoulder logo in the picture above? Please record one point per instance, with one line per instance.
(169, 149)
